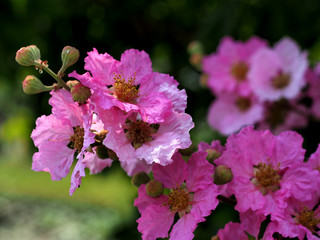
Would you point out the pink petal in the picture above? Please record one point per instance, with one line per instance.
(77, 175)
(172, 175)
(184, 228)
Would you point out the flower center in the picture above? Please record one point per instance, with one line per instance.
(277, 112)
(266, 178)
(239, 71)
(125, 91)
(179, 200)
(140, 132)
(76, 140)
(308, 218)
(280, 81)
(243, 104)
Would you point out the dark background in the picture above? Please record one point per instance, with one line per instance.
(163, 29)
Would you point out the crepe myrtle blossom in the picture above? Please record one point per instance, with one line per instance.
(313, 92)
(228, 68)
(60, 135)
(283, 115)
(191, 194)
(132, 138)
(267, 170)
(131, 85)
(229, 112)
(301, 219)
(279, 72)
(231, 231)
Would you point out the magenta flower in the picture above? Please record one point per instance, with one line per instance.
(267, 170)
(60, 135)
(131, 85)
(279, 72)
(132, 139)
(192, 195)
(229, 113)
(300, 219)
(228, 68)
(232, 231)
(313, 78)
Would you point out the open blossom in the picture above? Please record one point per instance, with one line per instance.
(313, 78)
(131, 85)
(229, 113)
(60, 136)
(267, 170)
(192, 195)
(283, 115)
(300, 220)
(279, 72)
(228, 68)
(131, 138)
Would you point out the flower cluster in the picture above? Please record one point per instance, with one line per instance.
(121, 110)
(117, 110)
(254, 83)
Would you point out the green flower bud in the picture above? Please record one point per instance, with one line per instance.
(154, 188)
(112, 155)
(212, 155)
(140, 178)
(102, 152)
(222, 175)
(69, 56)
(195, 47)
(80, 93)
(32, 85)
(187, 151)
(71, 83)
(28, 56)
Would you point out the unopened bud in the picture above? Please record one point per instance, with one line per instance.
(28, 56)
(71, 83)
(33, 85)
(140, 178)
(69, 56)
(102, 152)
(112, 155)
(154, 188)
(215, 238)
(195, 47)
(187, 151)
(212, 155)
(80, 93)
(222, 175)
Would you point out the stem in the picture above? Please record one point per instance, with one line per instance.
(224, 199)
(44, 66)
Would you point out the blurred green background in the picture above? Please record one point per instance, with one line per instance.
(34, 207)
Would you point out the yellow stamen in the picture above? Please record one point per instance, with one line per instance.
(239, 71)
(125, 91)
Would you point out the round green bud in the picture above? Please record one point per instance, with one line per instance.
(28, 56)
(33, 85)
(80, 93)
(69, 56)
(112, 155)
(154, 188)
(222, 175)
(71, 83)
(140, 178)
(102, 152)
(212, 155)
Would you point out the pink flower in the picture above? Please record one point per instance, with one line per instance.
(283, 115)
(299, 220)
(229, 113)
(60, 135)
(131, 138)
(267, 170)
(232, 231)
(130, 84)
(313, 78)
(279, 72)
(192, 195)
(227, 69)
